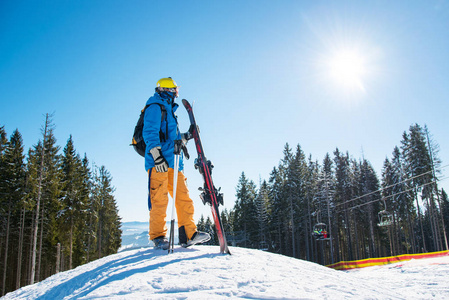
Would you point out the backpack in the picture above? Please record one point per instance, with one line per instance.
(138, 143)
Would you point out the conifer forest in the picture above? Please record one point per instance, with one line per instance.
(366, 215)
(57, 211)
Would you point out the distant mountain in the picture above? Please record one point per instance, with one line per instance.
(135, 235)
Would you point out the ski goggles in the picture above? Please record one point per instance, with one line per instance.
(175, 90)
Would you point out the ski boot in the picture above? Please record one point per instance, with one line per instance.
(161, 243)
(198, 237)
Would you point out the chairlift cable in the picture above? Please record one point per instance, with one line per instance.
(392, 185)
(389, 196)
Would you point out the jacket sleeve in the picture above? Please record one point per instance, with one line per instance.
(152, 126)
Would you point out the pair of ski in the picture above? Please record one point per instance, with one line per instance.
(209, 193)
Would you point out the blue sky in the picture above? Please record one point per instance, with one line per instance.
(260, 73)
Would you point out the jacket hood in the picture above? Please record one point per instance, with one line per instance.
(158, 98)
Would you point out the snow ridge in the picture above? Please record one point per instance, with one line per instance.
(202, 273)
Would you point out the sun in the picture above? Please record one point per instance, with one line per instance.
(347, 68)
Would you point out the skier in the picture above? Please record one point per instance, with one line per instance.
(324, 233)
(319, 233)
(160, 135)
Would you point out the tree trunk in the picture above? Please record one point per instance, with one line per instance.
(58, 257)
(38, 203)
(20, 250)
(293, 228)
(39, 260)
(420, 224)
(89, 239)
(71, 244)
(5, 265)
(99, 239)
(436, 189)
(348, 235)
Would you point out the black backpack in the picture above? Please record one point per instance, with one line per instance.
(138, 143)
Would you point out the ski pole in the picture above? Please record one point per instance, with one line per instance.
(171, 242)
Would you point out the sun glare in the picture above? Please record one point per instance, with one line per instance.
(347, 68)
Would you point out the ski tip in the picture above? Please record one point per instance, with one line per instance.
(187, 104)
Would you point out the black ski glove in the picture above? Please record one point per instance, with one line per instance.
(177, 147)
(180, 145)
(160, 163)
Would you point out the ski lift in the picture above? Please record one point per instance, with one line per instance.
(320, 232)
(385, 218)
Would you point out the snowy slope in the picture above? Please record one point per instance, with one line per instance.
(202, 273)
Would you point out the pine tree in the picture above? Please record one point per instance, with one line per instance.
(370, 186)
(435, 161)
(295, 193)
(403, 192)
(37, 179)
(210, 228)
(81, 248)
(275, 230)
(3, 190)
(108, 231)
(43, 189)
(323, 199)
(12, 189)
(50, 204)
(343, 194)
(200, 225)
(245, 212)
(445, 208)
(3, 140)
(74, 198)
(281, 203)
(226, 219)
(419, 168)
(397, 192)
(261, 202)
(387, 180)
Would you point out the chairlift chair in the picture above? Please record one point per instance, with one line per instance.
(320, 232)
(385, 218)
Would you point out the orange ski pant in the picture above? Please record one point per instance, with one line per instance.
(160, 184)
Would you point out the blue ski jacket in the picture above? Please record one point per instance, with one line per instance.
(153, 126)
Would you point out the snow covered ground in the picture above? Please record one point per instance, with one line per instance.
(202, 273)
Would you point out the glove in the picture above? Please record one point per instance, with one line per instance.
(160, 163)
(180, 145)
(177, 147)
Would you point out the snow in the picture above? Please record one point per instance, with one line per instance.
(202, 273)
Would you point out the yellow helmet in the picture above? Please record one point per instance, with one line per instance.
(166, 83)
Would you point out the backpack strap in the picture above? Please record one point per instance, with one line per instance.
(163, 116)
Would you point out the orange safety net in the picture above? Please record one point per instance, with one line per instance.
(369, 262)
